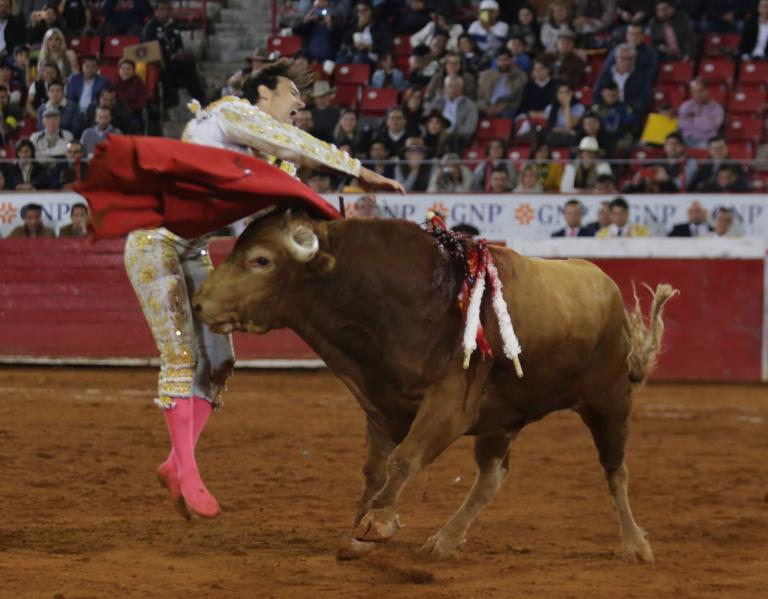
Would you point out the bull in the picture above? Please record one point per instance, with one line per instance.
(377, 301)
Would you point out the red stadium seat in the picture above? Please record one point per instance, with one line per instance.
(758, 182)
(153, 80)
(474, 154)
(109, 71)
(375, 102)
(402, 63)
(721, 44)
(593, 68)
(82, 45)
(676, 71)
(402, 45)
(716, 70)
(584, 95)
(114, 45)
(669, 93)
(741, 150)
(287, 45)
(519, 152)
(747, 99)
(352, 74)
(697, 153)
(645, 153)
(719, 93)
(753, 71)
(494, 128)
(347, 96)
(743, 128)
(561, 154)
(318, 72)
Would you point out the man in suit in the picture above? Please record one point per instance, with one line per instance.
(83, 88)
(460, 111)
(500, 89)
(697, 225)
(634, 85)
(620, 225)
(603, 219)
(572, 213)
(13, 31)
(671, 32)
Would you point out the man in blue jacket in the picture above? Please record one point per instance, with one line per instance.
(83, 88)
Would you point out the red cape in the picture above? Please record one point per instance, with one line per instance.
(149, 182)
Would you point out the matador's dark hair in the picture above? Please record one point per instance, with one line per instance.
(269, 76)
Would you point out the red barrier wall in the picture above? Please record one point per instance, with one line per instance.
(69, 299)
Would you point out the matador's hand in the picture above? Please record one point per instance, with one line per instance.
(371, 181)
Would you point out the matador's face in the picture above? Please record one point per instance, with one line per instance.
(282, 102)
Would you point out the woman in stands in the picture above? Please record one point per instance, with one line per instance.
(25, 174)
(54, 49)
(549, 172)
(348, 132)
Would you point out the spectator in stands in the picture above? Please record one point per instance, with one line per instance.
(563, 117)
(303, 120)
(77, 16)
(367, 39)
(13, 31)
(500, 182)
(32, 215)
(723, 16)
(633, 85)
(723, 222)
(41, 21)
(324, 114)
(10, 116)
(495, 155)
(605, 184)
(700, 117)
(320, 182)
(559, 20)
(98, 132)
(539, 91)
(487, 31)
(451, 176)
(438, 47)
(572, 213)
(414, 173)
(592, 16)
(620, 225)
(441, 21)
(180, 69)
(671, 32)
(726, 179)
(379, 152)
(635, 12)
(73, 170)
(706, 170)
(38, 89)
(126, 18)
(413, 109)
(22, 68)
(257, 59)
(421, 67)
(582, 173)
(603, 218)
(395, 132)
(591, 126)
(754, 38)
(121, 114)
(652, 179)
(697, 225)
(472, 58)
(131, 90)
(646, 57)
(436, 136)
(54, 49)
(51, 142)
(500, 89)
(365, 207)
(70, 116)
(452, 65)
(413, 18)
(79, 225)
(461, 111)
(527, 27)
(388, 75)
(320, 35)
(618, 123)
(25, 173)
(676, 163)
(567, 66)
(529, 181)
(549, 171)
(83, 88)
(520, 57)
(348, 132)
(13, 85)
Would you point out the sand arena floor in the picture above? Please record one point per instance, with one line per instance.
(82, 516)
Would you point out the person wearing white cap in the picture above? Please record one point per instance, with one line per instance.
(488, 32)
(582, 173)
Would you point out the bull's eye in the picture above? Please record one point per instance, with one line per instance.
(262, 261)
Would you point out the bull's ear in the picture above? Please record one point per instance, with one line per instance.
(324, 262)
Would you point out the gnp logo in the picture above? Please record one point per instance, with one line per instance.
(8, 213)
(524, 214)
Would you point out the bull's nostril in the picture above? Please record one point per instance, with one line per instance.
(198, 307)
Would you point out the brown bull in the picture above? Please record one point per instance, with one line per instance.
(376, 300)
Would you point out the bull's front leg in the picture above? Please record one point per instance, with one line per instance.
(448, 410)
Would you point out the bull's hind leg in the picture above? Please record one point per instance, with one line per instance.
(608, 425)
(492, 457)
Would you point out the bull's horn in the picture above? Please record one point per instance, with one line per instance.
(301, 243)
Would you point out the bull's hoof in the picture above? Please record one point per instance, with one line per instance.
(638, 550)
(354, 549)
(166, 475)
(377, 526)
(442, 547)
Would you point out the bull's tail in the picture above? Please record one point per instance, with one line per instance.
(645, 337)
